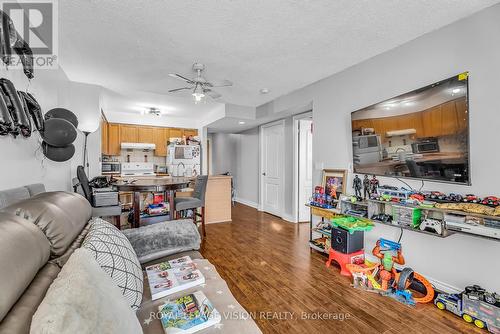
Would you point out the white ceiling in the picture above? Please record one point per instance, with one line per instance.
(282, 45)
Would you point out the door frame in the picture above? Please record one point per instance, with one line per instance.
(296, 119)
(261, 165)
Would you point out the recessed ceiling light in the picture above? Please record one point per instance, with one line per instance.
(456, 91)
(241, 122)
(409, 103)
(264, 91)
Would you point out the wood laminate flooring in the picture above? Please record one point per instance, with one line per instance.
(273, 274)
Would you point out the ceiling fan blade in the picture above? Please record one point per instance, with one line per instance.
(180, 77)
(178, 89)
(220, 83)
(212, 94)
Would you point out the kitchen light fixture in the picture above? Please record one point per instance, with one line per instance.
(151, 111)
(456, 91)
(198, 93)
(241, 122)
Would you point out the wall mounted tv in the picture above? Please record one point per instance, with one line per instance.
(423, 134)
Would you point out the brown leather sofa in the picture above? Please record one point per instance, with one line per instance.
(37, 237)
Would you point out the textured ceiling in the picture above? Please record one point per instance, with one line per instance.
(281, 45)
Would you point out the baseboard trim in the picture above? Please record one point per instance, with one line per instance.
(288, 218)
(247, 203)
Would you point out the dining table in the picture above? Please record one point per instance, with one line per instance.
(167, 185)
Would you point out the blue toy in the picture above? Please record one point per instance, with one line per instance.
(389, 245)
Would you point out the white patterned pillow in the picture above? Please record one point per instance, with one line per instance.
(115, 255)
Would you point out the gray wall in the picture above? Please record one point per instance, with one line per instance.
(471, 45)
(247, 171)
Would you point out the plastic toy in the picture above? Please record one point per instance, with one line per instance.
(474, 305)
(374, 183)
(454, 198)
(382, 217)
(366, 186)
(491, 201)
(352, 224)
(321, 199)
(431, 225)
(344, 259)
(357, 184)
(470, 198)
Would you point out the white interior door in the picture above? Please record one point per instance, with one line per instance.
(305, 167)
(272, 168)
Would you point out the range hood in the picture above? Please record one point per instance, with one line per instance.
(405, 132)
(138, 146)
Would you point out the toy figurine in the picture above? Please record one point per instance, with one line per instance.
(374, 183)
(366, 187)
(357, 184)
(333, 190)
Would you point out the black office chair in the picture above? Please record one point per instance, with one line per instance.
(81, 181)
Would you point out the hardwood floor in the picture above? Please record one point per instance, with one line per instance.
(269, 268)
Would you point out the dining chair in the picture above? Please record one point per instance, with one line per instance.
(195, 202)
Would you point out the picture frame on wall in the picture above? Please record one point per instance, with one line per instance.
(334, 182)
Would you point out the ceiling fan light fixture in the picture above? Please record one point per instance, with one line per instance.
(198, 93)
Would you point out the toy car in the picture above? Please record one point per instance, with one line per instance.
(382, 217)
(470, 198)
(417, 196)
(491, 201)
(436, 196)
(454, 197)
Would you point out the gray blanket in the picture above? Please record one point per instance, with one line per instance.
(158, 240)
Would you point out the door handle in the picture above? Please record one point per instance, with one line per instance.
(264, 174)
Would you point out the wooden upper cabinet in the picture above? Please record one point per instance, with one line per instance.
(190, 132)
(160, 137)
(145, 134)
(104, 136)
(462, 114)
(449, 118)
(129, 133)
(114, 142)
(176, 133)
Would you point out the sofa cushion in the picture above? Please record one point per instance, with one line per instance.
(18, 320)
(83, 299)
(11, 196)
(161, 239)
(60, 215)
(115, 255)
(24, 250)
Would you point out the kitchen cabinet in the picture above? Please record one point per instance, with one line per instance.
(449, 118)
(114, 142)
(176, 133)
(160, 138)
(104, 136)
(145, 134)
(190, 132)
(129, 133)
(462, 114)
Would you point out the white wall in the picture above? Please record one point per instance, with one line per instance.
(22, 160)
(467, 45)
(223, 153)
(246, 181)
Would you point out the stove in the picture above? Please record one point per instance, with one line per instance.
(137, 169)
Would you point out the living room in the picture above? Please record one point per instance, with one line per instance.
(245, 142)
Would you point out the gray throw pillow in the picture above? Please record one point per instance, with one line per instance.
(115, 255)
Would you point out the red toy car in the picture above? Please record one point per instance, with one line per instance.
(469, 198)
(491, 201)
(418, 197)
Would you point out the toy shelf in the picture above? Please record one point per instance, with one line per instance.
(376, 206)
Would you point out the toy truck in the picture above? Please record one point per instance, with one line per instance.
(474, 305)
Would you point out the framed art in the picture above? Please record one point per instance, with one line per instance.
(334, 182)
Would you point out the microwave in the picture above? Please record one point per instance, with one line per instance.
(426, 146)
(366, 144)
(110, 167)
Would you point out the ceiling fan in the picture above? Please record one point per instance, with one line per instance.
(199, 85)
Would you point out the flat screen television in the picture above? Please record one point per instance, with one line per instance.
(423, 134)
